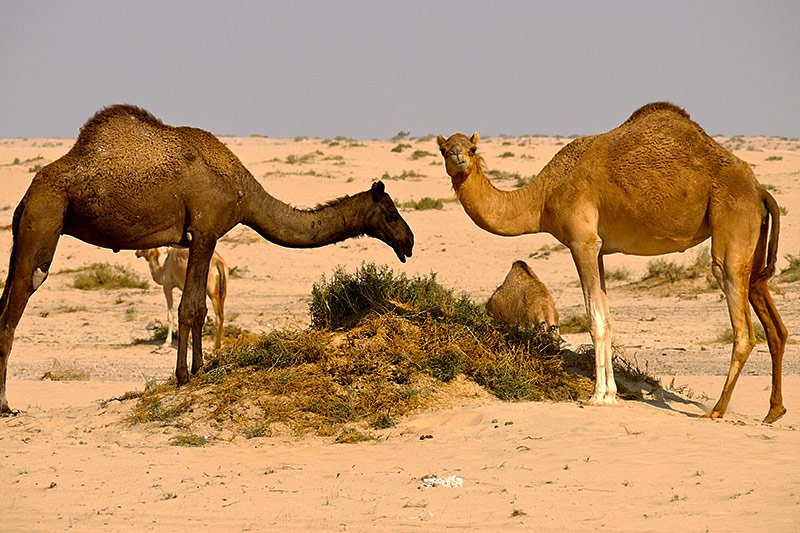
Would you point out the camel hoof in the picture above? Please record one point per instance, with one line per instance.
(712, 415)
(602, 400)
(183, 379)
(774, 414)
(7, 412)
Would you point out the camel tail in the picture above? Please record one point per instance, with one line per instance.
(772, 247)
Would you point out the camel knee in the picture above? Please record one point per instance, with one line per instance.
(743, 344)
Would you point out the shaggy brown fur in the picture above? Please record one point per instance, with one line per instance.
(523, 300)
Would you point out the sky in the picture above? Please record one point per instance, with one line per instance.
(369, 69)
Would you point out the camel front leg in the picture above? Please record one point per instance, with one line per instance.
(589, 264)
(37, 227)
(192, 311)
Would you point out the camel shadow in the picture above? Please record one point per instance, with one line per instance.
(633, 383)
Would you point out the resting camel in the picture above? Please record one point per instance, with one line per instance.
(524, 300)
(132, 182)
(654, 185)
(172, 274)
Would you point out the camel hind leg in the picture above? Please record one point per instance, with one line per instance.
(36, 229)
(732, 252)
(775, 330)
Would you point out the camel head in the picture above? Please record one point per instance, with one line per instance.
(460, 155)
(384, 222)
(149, 254)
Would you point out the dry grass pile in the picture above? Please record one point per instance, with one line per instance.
(379, 346)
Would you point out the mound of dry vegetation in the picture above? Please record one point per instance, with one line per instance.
(379, 346)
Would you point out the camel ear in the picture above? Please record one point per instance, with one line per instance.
(475, 138)
(441, 140)
(377, 190)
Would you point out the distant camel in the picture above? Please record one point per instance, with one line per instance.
(172, 274)
(523, 300)
(654, 185)
(132, 182)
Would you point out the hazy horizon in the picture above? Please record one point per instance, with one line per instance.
(369, 70)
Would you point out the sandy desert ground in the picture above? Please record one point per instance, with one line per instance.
(72, 463)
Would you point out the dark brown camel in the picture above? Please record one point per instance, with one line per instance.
(132, 182)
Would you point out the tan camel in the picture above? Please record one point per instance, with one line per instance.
(523, 300)
(172, 274)
(132, 182)
(654, 185)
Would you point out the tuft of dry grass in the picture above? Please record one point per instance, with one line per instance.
(575, 323)
(726, 336)
(424, 204)
(662, 276)
(66, 371)
(791, 273)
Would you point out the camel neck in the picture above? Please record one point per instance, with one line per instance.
(501, 212)
(156, 270)
(288, 226)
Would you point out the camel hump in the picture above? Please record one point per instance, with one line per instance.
(116, 111)
(656, 106)
(523, 266)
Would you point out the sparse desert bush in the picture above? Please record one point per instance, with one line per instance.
(403, 175)
(400, 147)
(774, 158)
(352, 436)
(192, 441)
(106, 276)
(507, 154)
(70, 309)
(621, 273)
(419, 154)
(659, 271)
(238, 272)
(791, 273)
(423, 204)
(293, 159)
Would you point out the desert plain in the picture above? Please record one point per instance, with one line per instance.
(71, 461)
